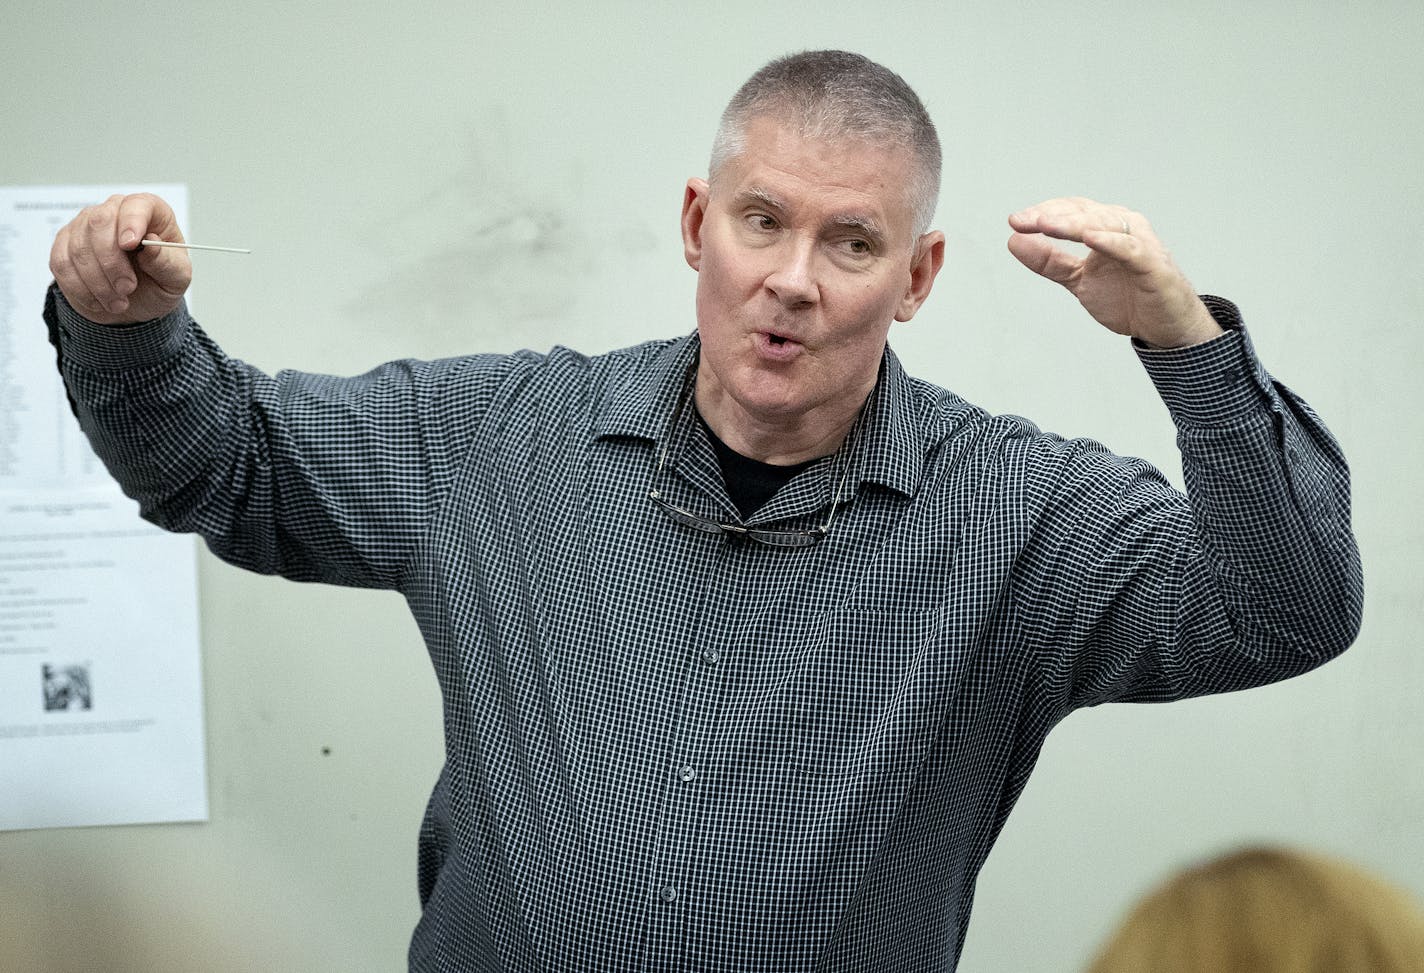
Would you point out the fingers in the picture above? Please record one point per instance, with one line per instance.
(75, 290)
(1070, 218)
(95, 266)
(75, 262)
(1043, 258)
(1124, 247)
(145, 215)
(1114, 232)
(99, 261)
(90, 268)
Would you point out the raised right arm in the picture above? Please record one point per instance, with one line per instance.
(313, 477)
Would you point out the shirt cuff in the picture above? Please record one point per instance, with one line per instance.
(114, 347)
(1216, 383)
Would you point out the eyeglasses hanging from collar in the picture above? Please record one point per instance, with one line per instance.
(772, 538)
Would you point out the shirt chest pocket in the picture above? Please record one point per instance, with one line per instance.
(869, 691)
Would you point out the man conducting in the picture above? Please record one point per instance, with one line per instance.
(748, 641)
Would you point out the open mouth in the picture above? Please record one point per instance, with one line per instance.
(778, 347)
(776, 338)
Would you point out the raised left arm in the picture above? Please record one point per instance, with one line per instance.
(1258, 576)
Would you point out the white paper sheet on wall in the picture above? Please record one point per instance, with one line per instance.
(101, 715)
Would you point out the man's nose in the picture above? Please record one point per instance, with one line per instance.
(793, 278)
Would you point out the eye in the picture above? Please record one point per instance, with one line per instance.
(760, 221)
(858, 247)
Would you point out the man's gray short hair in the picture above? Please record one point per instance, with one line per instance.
(838, 94)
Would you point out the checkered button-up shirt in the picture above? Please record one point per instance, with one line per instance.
(668, 749)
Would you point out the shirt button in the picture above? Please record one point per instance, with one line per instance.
(711, 656)
(668, 893)
(688, 773)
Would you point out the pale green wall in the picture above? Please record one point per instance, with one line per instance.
(427, 179)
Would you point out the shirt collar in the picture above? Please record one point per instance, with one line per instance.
(891, 448)
(893, 443)
(640, 403)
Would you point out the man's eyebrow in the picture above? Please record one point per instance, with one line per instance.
(755, 194)
(863, 224)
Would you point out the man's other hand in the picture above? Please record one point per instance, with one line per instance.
(1127, 280)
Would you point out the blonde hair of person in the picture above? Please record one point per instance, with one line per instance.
(1269, 910)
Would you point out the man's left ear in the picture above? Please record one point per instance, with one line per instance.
(925, 263)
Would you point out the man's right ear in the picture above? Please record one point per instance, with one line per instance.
(694, 209)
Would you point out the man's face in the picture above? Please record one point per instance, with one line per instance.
(805, 252)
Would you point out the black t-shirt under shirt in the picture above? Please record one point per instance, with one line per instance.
(750, 483)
